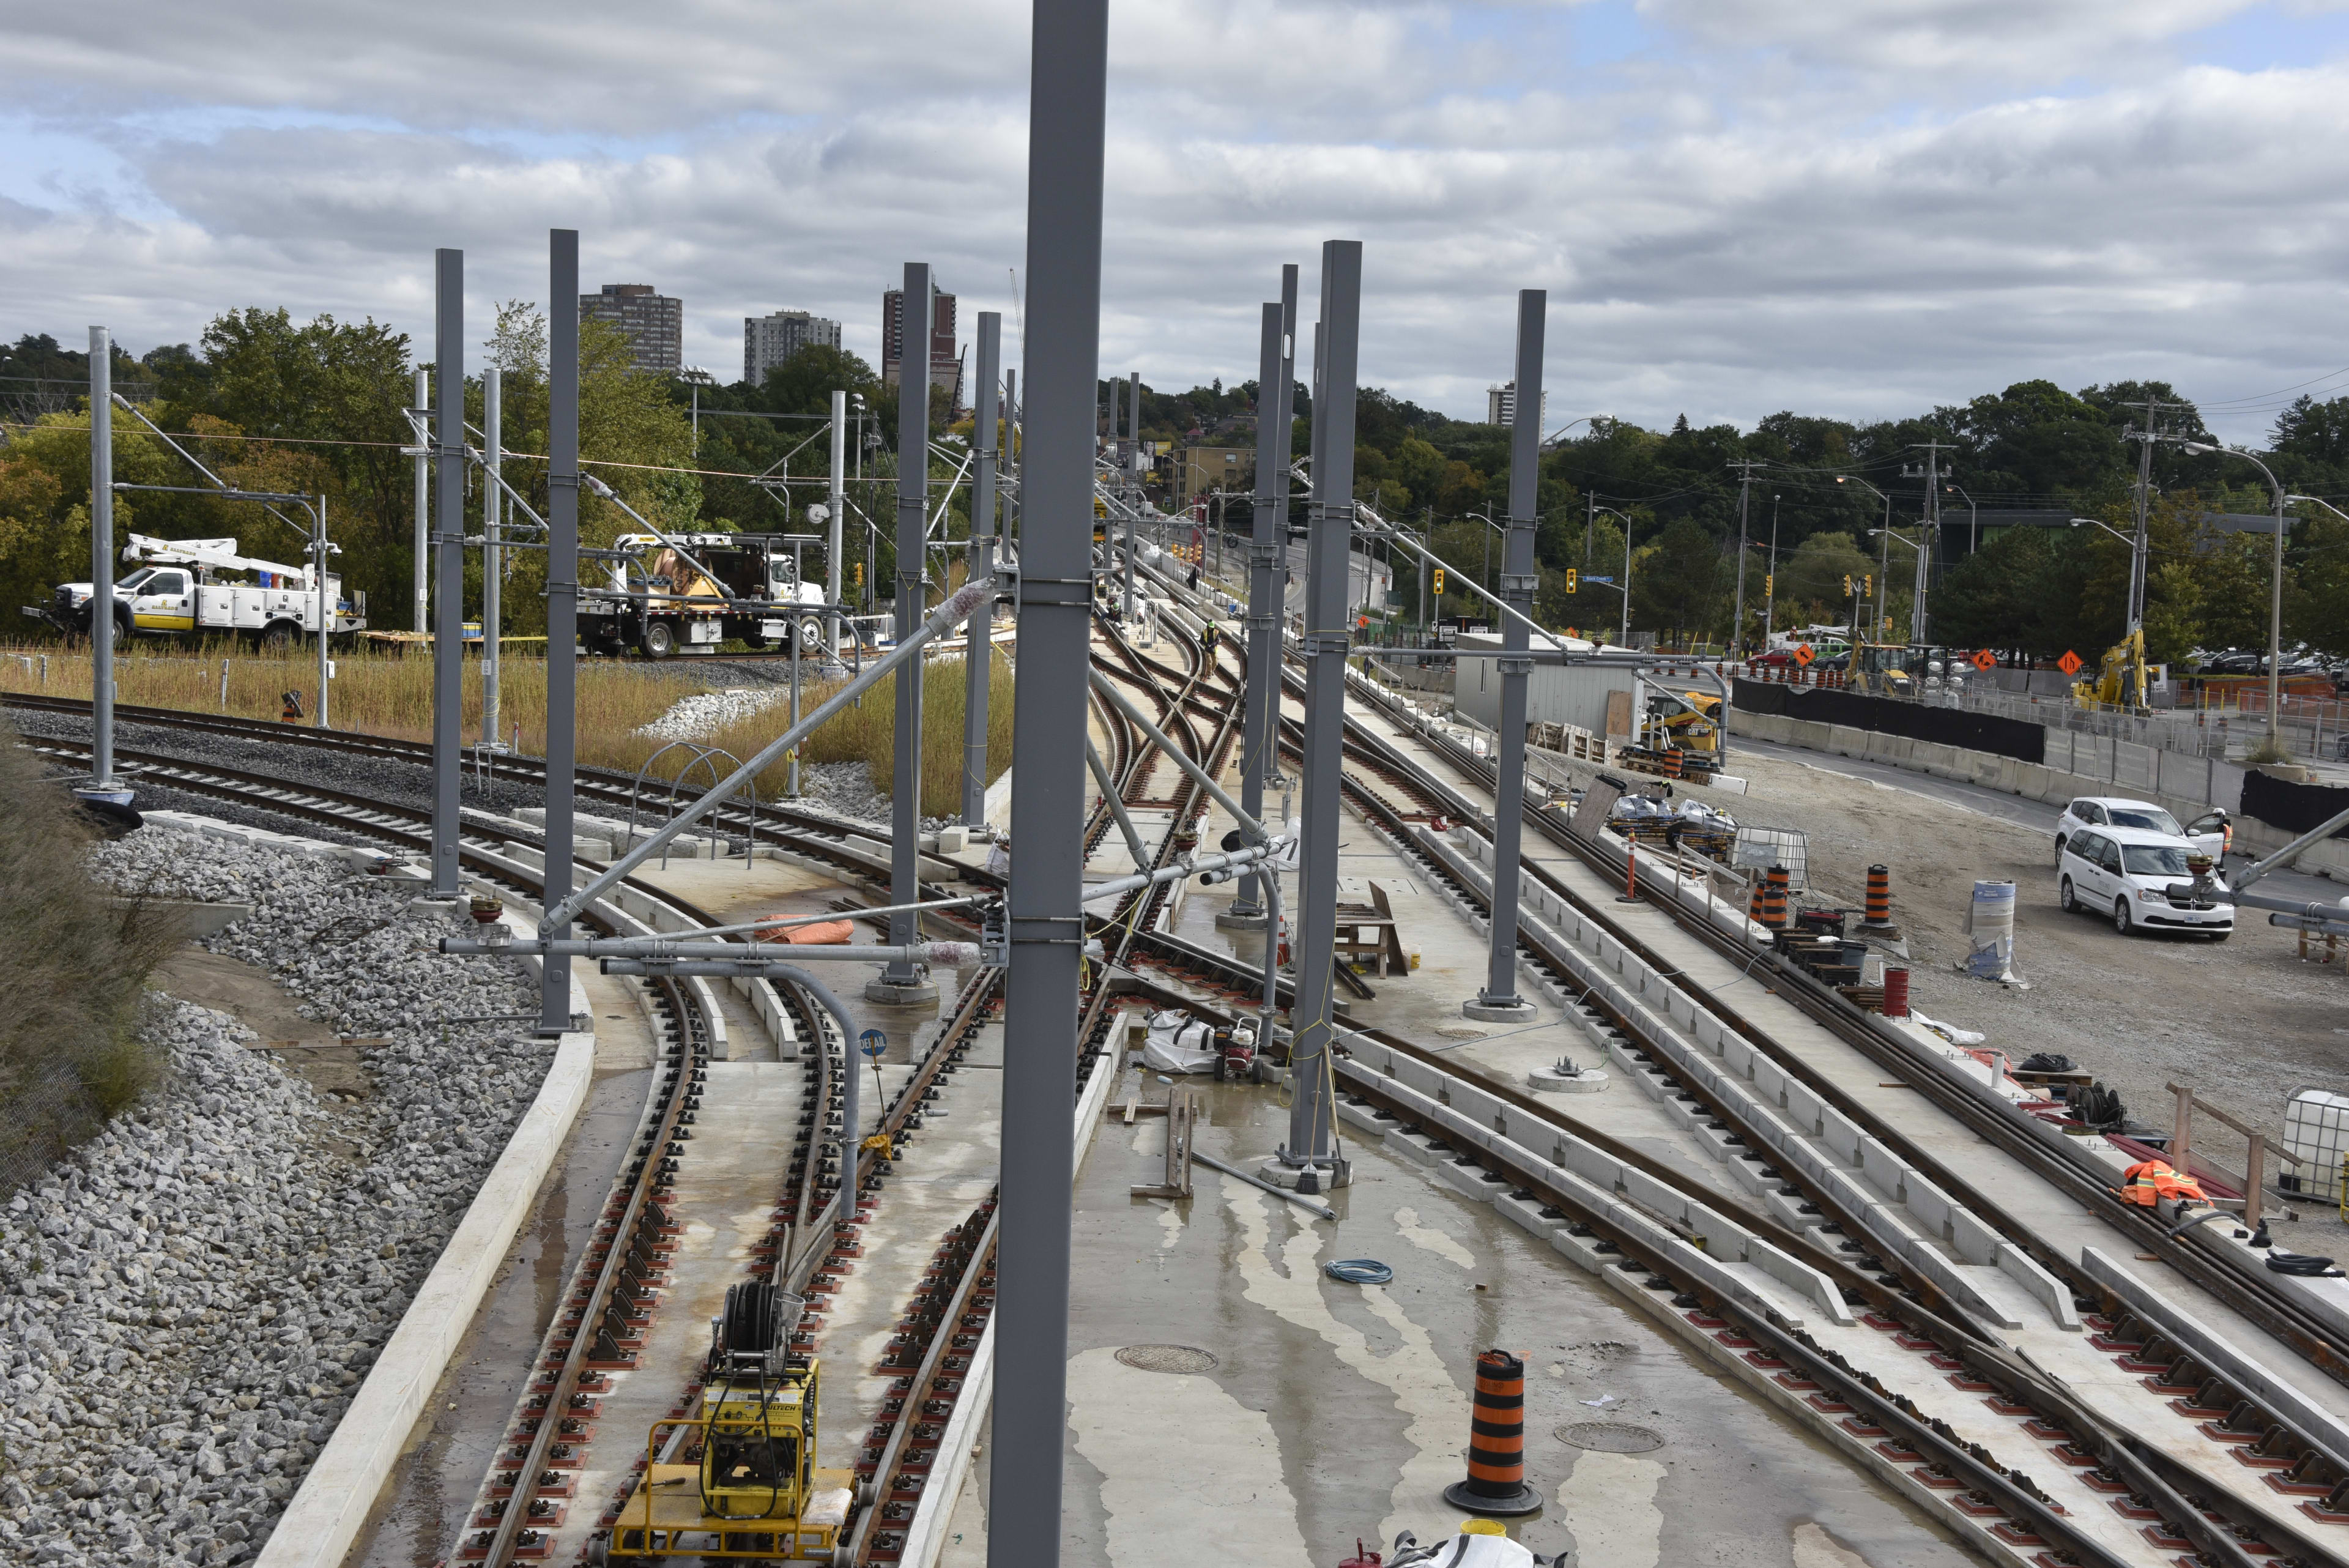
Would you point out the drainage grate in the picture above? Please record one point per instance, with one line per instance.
(1172, 1358)
(1611, 1437)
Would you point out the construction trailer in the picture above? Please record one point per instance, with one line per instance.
(688, 592)
(203, 588)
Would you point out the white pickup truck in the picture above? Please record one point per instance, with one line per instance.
(203, 588)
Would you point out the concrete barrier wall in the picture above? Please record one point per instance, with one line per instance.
(2138, 770)
(326, 1513)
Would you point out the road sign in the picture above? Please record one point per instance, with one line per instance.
(872, 1043)
(1984, 659)
(2070, 663)
(1803, 654)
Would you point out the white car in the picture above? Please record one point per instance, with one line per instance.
(2127, 872)
(2207, 832)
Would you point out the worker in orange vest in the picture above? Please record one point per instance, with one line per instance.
(2152, 1181)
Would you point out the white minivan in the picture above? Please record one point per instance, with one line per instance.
(2127, 872)
(2208, 833)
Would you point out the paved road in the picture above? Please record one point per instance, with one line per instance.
(2006, 807)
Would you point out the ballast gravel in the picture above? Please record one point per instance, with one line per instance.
(187, 1304)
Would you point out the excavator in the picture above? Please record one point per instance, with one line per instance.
(2120, 681)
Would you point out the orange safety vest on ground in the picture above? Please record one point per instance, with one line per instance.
(2152, 1181)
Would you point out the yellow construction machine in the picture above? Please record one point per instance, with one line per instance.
(2120, 682)
(737, 1478)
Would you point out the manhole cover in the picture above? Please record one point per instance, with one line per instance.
(1173, 1358)
(1457, 1033)
(1611, 1437)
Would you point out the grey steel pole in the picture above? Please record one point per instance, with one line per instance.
(901, 981)
(325, 601)
(561, 602)
(836, 501)
(491, 557)
(1325, 640)
(1120, 464)
(1745, 493)
(1045, 903)
(1260, 729)
(422, 619)
(101, 557)
(979, 647)
(1519, 577)
(448, 560)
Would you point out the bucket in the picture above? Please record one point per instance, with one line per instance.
(1990, 922)
(1895, 991)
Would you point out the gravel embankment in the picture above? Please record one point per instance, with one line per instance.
(187, 1304)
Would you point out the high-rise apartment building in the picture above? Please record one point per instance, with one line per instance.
(769, 340)
(654, 323)
(945, 364)
(1501, 405)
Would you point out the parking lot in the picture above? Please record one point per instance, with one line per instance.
(2245, 1022)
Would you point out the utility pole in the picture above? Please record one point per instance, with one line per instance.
(101, 559)
(1929, 524)
(1276, 397)
(901, 981)
(2139, 550)
(492, 500)
(422, 620)
(448, 562)
(1044, 905)
(1770, 581)
(979, 642)
(562, 605)
(1745, 488)
(1499, 1001)
(1307, 1150)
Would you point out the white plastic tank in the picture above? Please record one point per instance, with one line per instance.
(1990, 922)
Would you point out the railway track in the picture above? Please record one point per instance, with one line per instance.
(1882, 1363)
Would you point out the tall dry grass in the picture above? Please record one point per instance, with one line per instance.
(70, 1056)
(388, 694)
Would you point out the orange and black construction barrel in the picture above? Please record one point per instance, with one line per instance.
(1774, 898)
(1497, 1443)
(1674, 760)
(1753, 905)
(1879, 896)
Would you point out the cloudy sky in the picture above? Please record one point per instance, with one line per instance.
(1857, 207)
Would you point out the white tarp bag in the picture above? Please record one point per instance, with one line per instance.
(1179, 1042)
(1468, 1551)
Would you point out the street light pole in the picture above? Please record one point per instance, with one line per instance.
(1770, 581)
(2275, 589)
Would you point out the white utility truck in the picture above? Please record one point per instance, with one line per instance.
(203, 588)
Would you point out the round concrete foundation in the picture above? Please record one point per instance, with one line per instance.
(1589, 1081)
(1230, 921)
(889, 993)
(1282, 1174)
(1510, 1011)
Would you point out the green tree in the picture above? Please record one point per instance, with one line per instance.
(1678, 590)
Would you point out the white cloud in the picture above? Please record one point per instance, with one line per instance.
(1720, 236)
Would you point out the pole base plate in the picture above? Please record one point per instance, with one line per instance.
(1508, 1010)
(1516, 1505)
(1238, 919)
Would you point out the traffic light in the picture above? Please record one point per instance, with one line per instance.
(1869, 581)
(860, 572)
(1769, 584)
(1439, 582)
(1573, 576)
(1846, 585)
